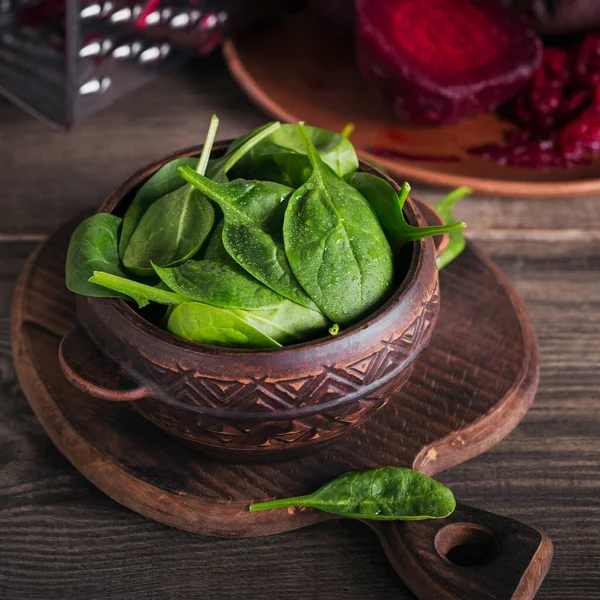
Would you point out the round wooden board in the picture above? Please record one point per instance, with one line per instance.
(469, 389)
(299, 70)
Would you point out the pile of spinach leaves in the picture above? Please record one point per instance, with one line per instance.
(278, 241)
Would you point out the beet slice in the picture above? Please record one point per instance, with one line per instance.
(437, 61)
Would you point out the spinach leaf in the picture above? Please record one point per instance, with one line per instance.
(218, 168)
(174, 227)
(171, 231)
(388, 207)
(219, 284)
(253, 215)
(282, 156)
(215, 249)
(335, 244)
(288, 323)
(384, 494)
(140, 292)
(457, 241)
(217, 326)
(163, 182)
(93, 247)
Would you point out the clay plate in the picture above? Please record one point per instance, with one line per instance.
(296, 71)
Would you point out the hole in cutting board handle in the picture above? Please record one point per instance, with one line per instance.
(469, 555)
(467, 545)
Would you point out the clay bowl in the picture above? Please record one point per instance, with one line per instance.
(254, 404)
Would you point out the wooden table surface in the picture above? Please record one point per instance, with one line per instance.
(60, 538)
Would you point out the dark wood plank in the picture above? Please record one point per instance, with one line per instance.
(61, 538)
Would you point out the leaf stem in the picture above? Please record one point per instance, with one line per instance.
(140, 292)
(403, 195)
(280, 503)
(455, 247)
(418, 233)
(457, 240)
(313, 155)
(249, 144)
(444, 206)
(348, 129)
(208, 144)
(212, 189)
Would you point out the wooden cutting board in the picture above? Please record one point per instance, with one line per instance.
(468, 390)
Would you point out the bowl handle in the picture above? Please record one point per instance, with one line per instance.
(432, 218)
(471, 555)
(93, 373)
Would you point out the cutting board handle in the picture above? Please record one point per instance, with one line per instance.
(471, 555)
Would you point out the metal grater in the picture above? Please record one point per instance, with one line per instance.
(64, 60)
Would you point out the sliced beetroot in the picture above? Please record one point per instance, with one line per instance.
(581, 137)
(437, 61)
(558, 112)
